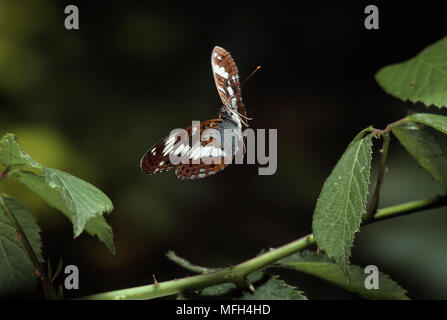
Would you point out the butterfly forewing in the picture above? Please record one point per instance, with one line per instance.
(226, 77)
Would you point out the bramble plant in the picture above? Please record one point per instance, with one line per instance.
(343, 207)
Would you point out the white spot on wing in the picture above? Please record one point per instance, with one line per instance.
(206, 151)
(196, 154)
(171, 140)
(179, 149)
(220, 71)
(216, 152)
(185, 151)
(194, 150)
(167, 149)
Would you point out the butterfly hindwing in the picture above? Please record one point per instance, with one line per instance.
(198, 171)
(208, 157)
(156, 159)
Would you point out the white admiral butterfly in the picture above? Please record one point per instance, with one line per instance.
(231, 118)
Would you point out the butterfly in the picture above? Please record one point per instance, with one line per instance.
(211, 153)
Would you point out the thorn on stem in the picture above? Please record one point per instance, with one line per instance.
(37, 273)
(156, 284)
(249, 285)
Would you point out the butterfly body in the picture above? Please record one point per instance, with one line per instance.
(213, 153)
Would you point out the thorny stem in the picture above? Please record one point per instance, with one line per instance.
(48, 288)
(188, 265)
(237, 274)
(4, 173)
(385, 134)
(376, 195)
(375, 132)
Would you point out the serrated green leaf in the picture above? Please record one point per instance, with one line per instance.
(266, 288)
(423, 147)
(324, 268)
(420, 79)
(435, 121)
(99, 227)
(80, 201)
(12, 154)
(274, 289)
(361, 134)
(342, 202)
(16, 269)
(83, 200)
(75, 198)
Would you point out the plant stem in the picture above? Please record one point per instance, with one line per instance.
(410, 207)
(376, 195)
(4, 173)
(238, 273)
(48, 288)
(234, 274)
(385, 134)
(188, 265)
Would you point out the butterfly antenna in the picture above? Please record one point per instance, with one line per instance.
(251, 74)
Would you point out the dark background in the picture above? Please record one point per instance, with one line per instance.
(92, 101)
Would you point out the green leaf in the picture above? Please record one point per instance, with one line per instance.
(322, 267)
(274, 289)
(361, 134)
(81, 202)
(16, 269)
(342, 202)
(12, 155)
(99, 227)
(435, 121)
(423, 147)
(420, 79)
(266, 288)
